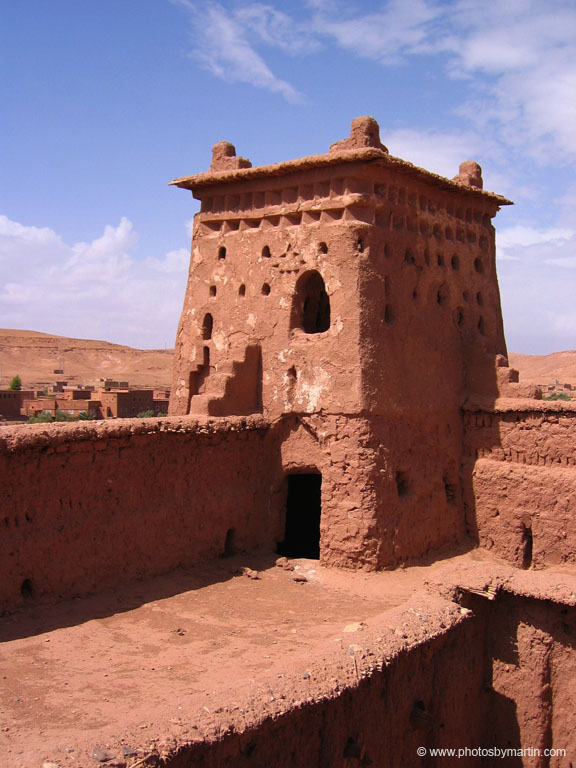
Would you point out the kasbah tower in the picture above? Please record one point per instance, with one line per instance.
(352, 299)
(341, 392)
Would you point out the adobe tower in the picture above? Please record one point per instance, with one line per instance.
(351, 298)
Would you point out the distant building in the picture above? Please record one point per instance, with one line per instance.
(105, 403)
(35, 405)
(75, 394)
(81, 407)
(112, 384)
(11, 401)
(127, 403)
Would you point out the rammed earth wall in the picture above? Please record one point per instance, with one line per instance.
(520, 480)
(492, 682)
(87, 506)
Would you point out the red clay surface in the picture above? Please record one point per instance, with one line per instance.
(173, 659)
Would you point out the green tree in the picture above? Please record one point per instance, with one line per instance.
(43, 418)
(16, 383)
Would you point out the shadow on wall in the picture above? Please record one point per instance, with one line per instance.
(507, 501)
(489, 682)
(243, 390)
(417, 698)
(232, 388)
(529, 656)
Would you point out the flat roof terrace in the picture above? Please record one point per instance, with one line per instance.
(130, 676)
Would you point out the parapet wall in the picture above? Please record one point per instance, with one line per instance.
(493, 681)
(88, 506)
(378, 711)
(520, 480)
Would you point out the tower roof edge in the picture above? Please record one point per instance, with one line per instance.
(334, 158)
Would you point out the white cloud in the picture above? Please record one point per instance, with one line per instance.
(437, 152)
(398, 29)
(95, 289)
(518, 56)
(222, 45)
(524, 51)
(537, 274)
(567, 207)
(510, 241)
(276, 29)
(442, 153)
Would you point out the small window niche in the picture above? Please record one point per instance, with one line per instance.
(402, 483)
(311, 304)
(526, 546)
(207, 327)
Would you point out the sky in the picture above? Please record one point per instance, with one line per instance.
(103, 103)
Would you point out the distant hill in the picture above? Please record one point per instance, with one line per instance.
(35, 356)
(545, 369)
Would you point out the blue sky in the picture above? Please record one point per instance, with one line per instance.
(105, 102)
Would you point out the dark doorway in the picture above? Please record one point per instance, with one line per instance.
(303, 507)
(230, 543)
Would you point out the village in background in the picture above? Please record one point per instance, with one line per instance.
(64, 379)
(47, 378)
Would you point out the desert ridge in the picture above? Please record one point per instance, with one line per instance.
(546, 369)
(36, 357)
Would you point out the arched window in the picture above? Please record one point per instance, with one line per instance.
(311, 305)
(207, 326)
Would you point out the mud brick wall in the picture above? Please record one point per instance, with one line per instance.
(384, 500)
(86, 507)
(413, 698)
(499, 675)
(531, 677)
(419, 496)
(519, 477)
